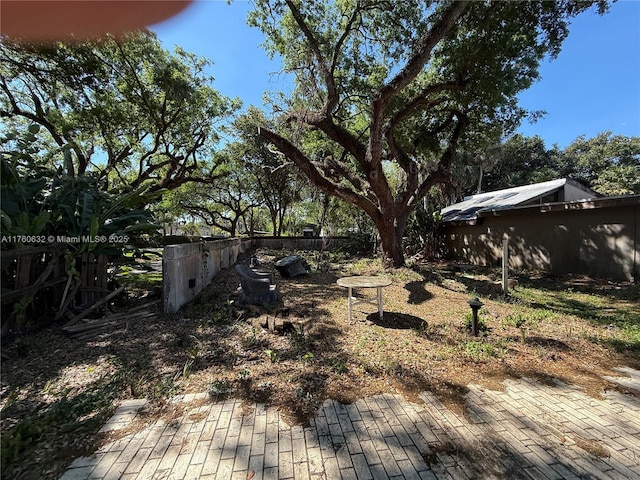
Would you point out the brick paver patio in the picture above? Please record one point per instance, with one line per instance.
(529, 431)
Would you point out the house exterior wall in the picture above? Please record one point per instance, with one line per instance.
(572, 193)
(601, 242)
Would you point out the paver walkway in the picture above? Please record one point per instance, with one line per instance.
(528, 431)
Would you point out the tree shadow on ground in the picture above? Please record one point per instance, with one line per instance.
(549, 343)
(418, 294)
(396, 320)
(481, 281)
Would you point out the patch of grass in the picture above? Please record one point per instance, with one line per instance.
(392, 367)
(194, 356)
(299, 339)
(480, 350)
(588, 306)
(140, 281)
(249, 340)
(365, 266)
(339, 367)
(307, 357)
(167, 387)
(617, 314)
(444, 353)
(422, 330)
(625, 337)
(221, 388)
(272, 355)
(517, 320)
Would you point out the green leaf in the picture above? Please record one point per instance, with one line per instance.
(39, 222)
(95, 226)
(86, 212)
(5, 221)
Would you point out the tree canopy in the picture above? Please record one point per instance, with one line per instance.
(125, 108)
(407, 83)
(606, 163)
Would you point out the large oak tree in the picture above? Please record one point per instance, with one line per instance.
(409, 82)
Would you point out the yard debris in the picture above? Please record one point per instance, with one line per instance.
(94, 327)
(94, 306)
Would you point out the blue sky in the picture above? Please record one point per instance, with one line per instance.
(593, 85)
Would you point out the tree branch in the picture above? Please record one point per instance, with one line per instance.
(410, 71)
(422, 101)
(441, 175)
(423, 51)
(315, 176)
(327, 73)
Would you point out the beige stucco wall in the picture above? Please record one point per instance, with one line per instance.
(601, 242)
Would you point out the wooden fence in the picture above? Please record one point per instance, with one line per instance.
(93, 278)
(36, 286)
(298, 243)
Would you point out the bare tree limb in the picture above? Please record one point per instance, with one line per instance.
(315, 176)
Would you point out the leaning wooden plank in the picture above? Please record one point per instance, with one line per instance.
(100, 322)
(128, 315)
(94, 333)
(95, 290)
(23, 273)
(64, 302)
(46, 273)
(87, 311)
(97, 331)
(80, 327)
(87, 327)
(145, 315)
(111, 316)
(149, 304)
(67, 298)
(107, 320)
(130, 311)
(84, 273)
(101, 272)
(23, 292)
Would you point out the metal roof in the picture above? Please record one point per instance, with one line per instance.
(468, 209)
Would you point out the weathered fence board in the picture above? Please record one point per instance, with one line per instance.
(93, 277)
(34, 281)
(189, 267)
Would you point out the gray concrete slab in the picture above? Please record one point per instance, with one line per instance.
(528, 431)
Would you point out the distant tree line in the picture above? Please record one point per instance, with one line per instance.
(608, 164)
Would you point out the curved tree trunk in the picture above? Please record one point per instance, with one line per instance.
(391, 231)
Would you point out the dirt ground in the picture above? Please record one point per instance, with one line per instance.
(56, 391)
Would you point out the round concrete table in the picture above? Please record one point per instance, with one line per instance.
(364, 282)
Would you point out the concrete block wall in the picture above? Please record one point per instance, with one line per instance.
(189, 267)
(298, 243)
